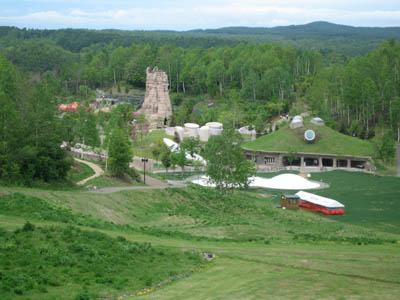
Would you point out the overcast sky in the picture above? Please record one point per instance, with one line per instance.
(194, 14)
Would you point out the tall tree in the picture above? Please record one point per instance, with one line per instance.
(119, 153)
(226, 166)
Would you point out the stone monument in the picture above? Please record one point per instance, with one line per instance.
(157, 104)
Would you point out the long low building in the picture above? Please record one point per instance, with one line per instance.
(321, 204)
(275, 161)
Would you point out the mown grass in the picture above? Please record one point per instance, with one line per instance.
(370, 201)
(328, 141)
(292, 272)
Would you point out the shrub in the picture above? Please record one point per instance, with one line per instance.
(83, 295)
(28, 227)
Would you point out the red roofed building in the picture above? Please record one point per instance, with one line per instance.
(68, 107)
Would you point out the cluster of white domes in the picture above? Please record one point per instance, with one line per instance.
(194, 130)
(297, 121)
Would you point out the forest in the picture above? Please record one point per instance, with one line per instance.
(354, 87)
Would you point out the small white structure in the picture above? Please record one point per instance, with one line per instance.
(174, 147)
(180, 131)
(214, 125)
(170, 131)
(204, 133)
(297, 122)
(192, 129)
(298, 117)
(245, 130)
(215, 128)
(318, 121)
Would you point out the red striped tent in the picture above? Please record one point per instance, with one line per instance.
(321, 204)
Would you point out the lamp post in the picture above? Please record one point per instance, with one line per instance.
(144, 160)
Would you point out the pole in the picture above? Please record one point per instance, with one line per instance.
(144, 160)
(144, 170)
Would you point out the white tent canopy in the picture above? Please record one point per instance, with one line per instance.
(281, 182)
(174, 147)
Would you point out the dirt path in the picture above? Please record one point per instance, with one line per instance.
(97, 171)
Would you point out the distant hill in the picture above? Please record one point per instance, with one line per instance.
(315, 30)
(323, 36)
(331, 39)
(328, 141)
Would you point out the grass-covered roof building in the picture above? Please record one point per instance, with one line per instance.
(309, 146)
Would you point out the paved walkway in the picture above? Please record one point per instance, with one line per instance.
(97, 171)
(152, 184)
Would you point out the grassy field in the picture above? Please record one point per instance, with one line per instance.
(143, 145)
(328, 141)
(370, 201)
(48, 262)
(262, 252)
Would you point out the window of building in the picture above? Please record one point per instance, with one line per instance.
(269, 160)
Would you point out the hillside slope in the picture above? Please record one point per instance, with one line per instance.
(86, 245)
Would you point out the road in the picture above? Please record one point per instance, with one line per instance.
(152, 184)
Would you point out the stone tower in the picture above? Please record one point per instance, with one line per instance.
(157, 105)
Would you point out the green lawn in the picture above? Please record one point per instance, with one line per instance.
(79, 172)
(371, 201)
(262, 252)
(142, 147)
(108, 181)
(328, 141)
(177, 175)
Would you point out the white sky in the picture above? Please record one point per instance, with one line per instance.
(191, 14)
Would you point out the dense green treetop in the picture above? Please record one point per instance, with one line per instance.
(226, 166)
